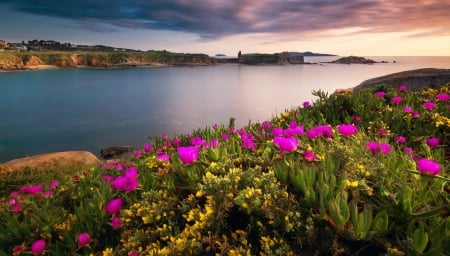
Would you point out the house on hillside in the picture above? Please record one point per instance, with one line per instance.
(3, 44)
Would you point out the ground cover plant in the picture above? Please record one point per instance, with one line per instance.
(355, 174)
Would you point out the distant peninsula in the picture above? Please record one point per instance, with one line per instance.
(41, 54)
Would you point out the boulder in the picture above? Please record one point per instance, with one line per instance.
(58, 160)
(415, 80)
(113, 152)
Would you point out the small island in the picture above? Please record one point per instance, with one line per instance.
(355, 60)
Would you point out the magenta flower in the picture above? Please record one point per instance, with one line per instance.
(277, 131)
(309, 155)
(415, 114)
(147, 147)
(164, 136)
(429, 105)
(372, 146)
(428, 166)
(83, 239)
(356, 119)
(402, 88)
(400, 139)
(225, 136)
(443, 97)
(114, 205)
(380, 94)
(164, 157)
(433, 142)
(137, 154)
(407, 109)
(397, 99)
(197, 141)
(247, 140)
(38, 246)
(214, 143)
(383, 132)
(176, 142)
(54, 184)
(306, 104)
(385, 148)
(128, 181)
(116, 222)
(188, 155)
(286, 144)
(347, 129)
(31, 189)
(17, 207)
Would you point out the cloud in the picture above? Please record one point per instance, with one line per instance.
(218, 18)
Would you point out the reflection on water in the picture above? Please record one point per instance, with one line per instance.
(89, 109)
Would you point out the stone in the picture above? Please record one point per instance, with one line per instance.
(415, 80)
(112, 152)
(57, 160)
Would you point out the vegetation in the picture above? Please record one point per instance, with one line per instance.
(356, 174)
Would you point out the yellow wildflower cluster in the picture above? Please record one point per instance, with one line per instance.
(441, 121)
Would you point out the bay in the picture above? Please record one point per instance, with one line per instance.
(90, 109)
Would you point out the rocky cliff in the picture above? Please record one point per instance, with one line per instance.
(30, 60)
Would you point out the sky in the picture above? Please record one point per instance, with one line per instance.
(341, 27)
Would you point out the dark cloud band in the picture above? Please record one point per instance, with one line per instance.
(215, 18)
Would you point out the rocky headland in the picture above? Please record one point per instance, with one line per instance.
(10, 61)
(354, 60)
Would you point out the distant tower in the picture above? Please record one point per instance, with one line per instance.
(239, 54)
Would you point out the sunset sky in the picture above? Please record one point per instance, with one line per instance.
(341, 27)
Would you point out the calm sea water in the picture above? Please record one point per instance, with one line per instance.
(90, 109)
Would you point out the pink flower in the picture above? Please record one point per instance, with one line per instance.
(31, 189)
(415, 114)
(54, 184)
(402, 88)
(309, 155)
(188, 155)
(407, 109)
(356, 119)
(347, 129)
(397, 99)
(277, 131)
(83, 239)
(147, 147)
(163, 157)
(114, 206)
(383, 132)
(380, 94)
(137, 154)
(17, 207)
(443, 97)
(306, 104)
(225, 136)
(429, 105)
(400, 139)
(247, 141)
(428, 166)
(38, 246)
(116, 222)
(375, 147)
(385, 148)
(286, 144)
(433, 142)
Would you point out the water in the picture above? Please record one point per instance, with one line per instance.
(90, 109)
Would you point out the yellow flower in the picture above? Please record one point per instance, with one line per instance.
(107, 252)
(146, 219)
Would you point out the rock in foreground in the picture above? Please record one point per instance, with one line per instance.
(415, 80)
(58, 160)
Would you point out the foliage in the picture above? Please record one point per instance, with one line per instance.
(347, 180)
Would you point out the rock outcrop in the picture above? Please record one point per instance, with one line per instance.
(58, 160)
(353, 60)
(113, 152)
(415, 80)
